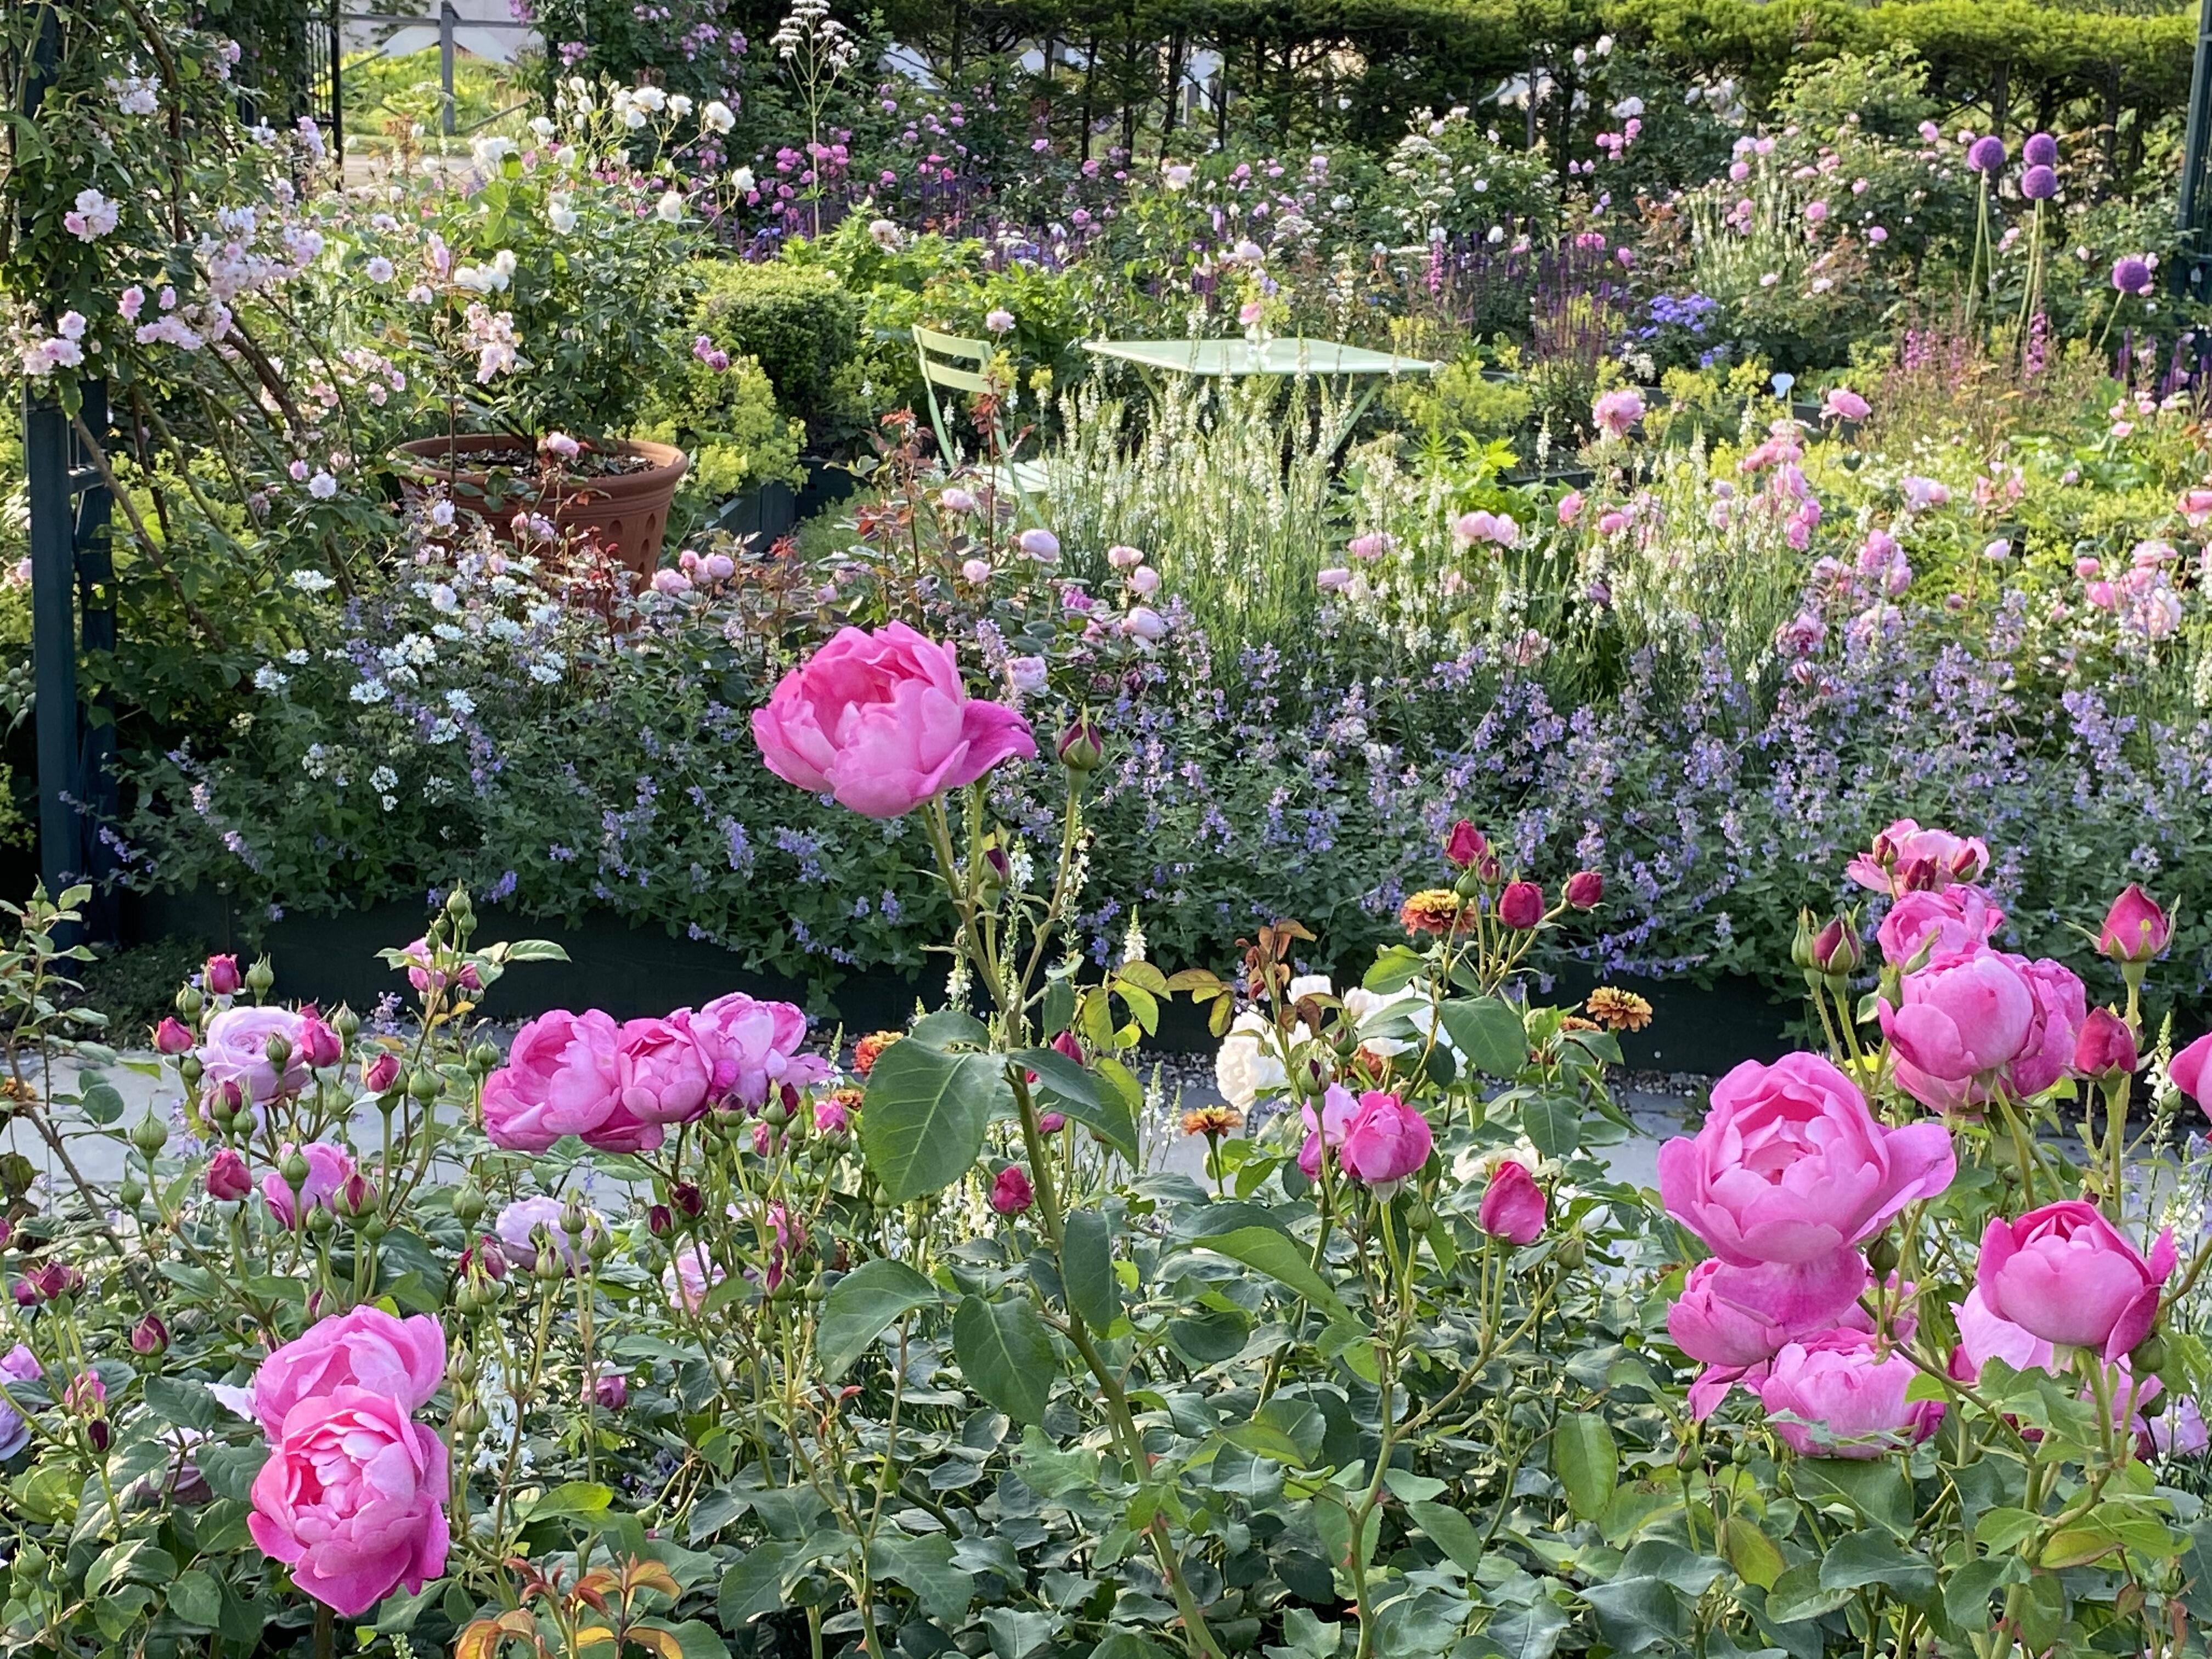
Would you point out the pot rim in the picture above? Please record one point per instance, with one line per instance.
(670, 463)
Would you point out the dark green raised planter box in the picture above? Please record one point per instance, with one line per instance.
(632, 971)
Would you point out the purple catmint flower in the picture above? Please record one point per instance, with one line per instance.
(1986, 155)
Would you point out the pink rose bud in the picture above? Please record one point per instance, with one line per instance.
(2065, 1273)
(221, 976)
(227, 1177)
(1585, 889)
(831, 1118)
(2192, 1070)
(381, 1075)
(1836, 949)
(149, 1335)
(1010, 1192)
(2105, 1047)
(1051, 1123)
(1068, 1043)
(1465, 844)
(172, 1037)
(611, 1391)
(1512, 1205)
(318, 1044)
(2135, 929)
(1521, 905)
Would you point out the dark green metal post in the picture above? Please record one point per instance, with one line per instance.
(2195, 202)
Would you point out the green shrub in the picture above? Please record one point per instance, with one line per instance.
(731, 423)
(799, 324)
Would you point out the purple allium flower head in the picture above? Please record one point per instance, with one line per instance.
(1986, 154)
(2041, 150)
(2131, 274)
(2039, 184)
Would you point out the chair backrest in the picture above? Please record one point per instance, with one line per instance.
(928, 341)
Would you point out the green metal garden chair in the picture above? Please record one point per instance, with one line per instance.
(952, 364)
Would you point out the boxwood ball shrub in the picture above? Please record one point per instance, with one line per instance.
(799, 324)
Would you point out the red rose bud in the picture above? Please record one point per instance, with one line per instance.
(2135, 929)
(1836, 950)
(99, 1434)
(1921, 875)
(1010, 1192)
(687, 1198)
(227, 1177)
(149, 1335)
(1465, 844)
(25, 1292)
(491, 1256)
(659, 1221)
(1486, 869)
(221, 976)
(7, 1232)
(1585, 889)
(1051, 1123)
(2106, 1047)
(1082, 746)
(172, 1037)
(1521, 905)
(381, 1075)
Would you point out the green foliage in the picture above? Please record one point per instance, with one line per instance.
(800, 324)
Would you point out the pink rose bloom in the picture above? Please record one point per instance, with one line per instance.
(563, 1076)
(1570, 508)
(423, 976)
(1617, 410)
(662, 1070)
(1964, 1017)
(2061, 1008)
(689, 1277)
(329, 1168)
(352, 1499)
(2189, 1069)
(882, 722)
(1956, 918)
(1844, 1397)
(1904, 844)
(2065, 1273)
(1735, 1319)
(365, 1348)
(1385, 1139)
(1791, 1167)
(1512, 1205)
(752, 1046)
(235, 1050)
(1844, 404)
(1338, 1108)
(1983, 1337)
(518, 1223)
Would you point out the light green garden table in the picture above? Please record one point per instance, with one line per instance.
(1236, 359)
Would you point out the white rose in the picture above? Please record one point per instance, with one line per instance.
(741, 181)
(1241, 1068)
(716, 117)
(1310, 985)
(679, 105)
(669, 208)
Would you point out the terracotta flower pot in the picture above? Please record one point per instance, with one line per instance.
(625, 514)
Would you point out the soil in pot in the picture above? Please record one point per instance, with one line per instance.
(615, 495)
